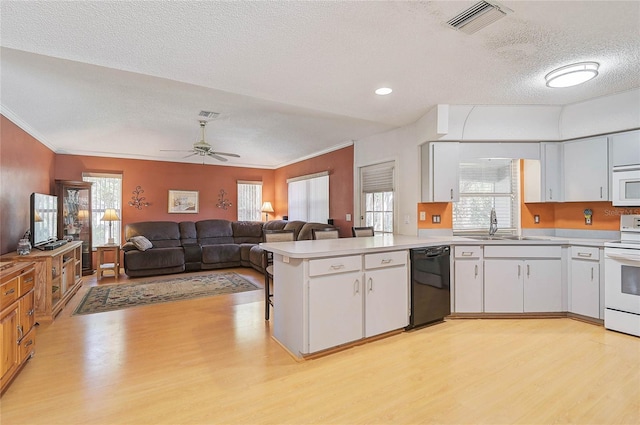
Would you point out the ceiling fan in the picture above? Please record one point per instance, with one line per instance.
(203, 148)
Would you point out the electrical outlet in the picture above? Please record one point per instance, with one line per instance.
(536, 219)
(435, 218)
(423, 216)
(348, 217)
(587, 221)
(407, 219)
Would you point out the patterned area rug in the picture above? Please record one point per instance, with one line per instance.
(118, 296)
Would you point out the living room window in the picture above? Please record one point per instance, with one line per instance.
(486, 184)
(249, 200)
(106, 192)
(308, 197)
(377, 183)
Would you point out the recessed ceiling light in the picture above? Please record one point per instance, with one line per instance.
(383, 91)
(572, 75)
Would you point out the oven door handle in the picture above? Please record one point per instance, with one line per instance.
(634, 258)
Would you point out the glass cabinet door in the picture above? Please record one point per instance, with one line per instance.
(75, 217)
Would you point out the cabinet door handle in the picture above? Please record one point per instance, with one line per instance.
(337, 266)
(386, 261)
(550, 193)
(30, 312)
(584, 254)
(518, 270)
(370, 284)
(592, 274)
(20, 333)
(30, 342)
(600, 192)
(476, 271)
(356, 287)
(10, 291)
(467, 253)
(528, 271)
(451, 194)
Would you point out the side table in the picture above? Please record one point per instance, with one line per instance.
(113, 266)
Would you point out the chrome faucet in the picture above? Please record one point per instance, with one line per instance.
(493, 227)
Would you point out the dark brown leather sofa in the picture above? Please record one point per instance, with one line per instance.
(202, 245)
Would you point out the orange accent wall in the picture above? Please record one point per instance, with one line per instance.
(339, 164)
(26, 166)
(158, 177)
(443, 209)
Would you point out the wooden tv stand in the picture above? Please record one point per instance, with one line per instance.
(58, 277)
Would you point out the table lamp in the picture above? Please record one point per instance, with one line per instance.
(267, 208)
(110, 215)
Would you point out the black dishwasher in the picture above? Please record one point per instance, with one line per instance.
(430, 285)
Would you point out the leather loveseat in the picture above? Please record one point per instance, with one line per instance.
(201, 245)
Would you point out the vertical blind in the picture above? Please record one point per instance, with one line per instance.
(487, 184)
(249, 200)
(308, 197)
(106, 192)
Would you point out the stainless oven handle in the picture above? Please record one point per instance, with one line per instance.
(634, 258)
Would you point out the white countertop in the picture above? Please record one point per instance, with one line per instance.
(387, 242)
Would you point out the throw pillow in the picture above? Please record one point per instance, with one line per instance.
(141, 243)
(128, 246)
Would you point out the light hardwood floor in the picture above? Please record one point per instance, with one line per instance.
(213, 361)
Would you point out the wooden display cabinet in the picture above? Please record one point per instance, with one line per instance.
(58, 275)
(74, 217)
(17, 324)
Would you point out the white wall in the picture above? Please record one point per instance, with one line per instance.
(485, 123)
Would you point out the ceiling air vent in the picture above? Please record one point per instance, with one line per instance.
(208, 115)
(476, 17)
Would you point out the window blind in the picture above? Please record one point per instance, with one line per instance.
(487, 184)
(249, 200)
(377, 178)
(106, 192)
(308, 198)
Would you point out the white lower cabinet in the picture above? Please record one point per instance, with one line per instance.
(467, 280)
(335, 310)
(345, 299)
(516, 285)
(584, 286)
(386, 292)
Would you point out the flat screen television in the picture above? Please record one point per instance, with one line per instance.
(44, 219)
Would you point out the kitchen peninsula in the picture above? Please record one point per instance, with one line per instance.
(336, 292)
(332, 292)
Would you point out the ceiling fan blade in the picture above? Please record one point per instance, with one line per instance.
(226, 154)
(190, 155)
(218, 157)
(175, 150)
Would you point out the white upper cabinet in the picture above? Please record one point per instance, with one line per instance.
(543, 179)
(625, 148)
(586, 170)
(440, 175)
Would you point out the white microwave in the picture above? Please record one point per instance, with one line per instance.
(626, 186)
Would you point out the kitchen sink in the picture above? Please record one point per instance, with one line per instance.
(504, 238)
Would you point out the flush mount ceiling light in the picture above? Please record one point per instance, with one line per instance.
(383, 91)
(572, 75)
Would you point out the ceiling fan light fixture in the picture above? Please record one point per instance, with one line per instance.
(572, 75)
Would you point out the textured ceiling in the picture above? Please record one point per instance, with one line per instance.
(289, 79)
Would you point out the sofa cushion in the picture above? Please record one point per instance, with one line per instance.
(247, 231)
(188, 233)
(221, 253)
(162, 234)
(141, 243)
(155, 258)
(211, 232)
(296, 226)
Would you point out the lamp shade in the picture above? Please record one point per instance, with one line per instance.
(267, 207)
(37, 217)
(110, 214)
(82, 214)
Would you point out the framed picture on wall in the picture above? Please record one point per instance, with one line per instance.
(183, 201)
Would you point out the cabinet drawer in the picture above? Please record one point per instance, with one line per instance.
(467, 252)
(335, 265)
(27, 346)
(8, 292)
(522, 252)
(585, 253)
(27, 281)
(385, 259)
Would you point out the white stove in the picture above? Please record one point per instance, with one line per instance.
(622, 278)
